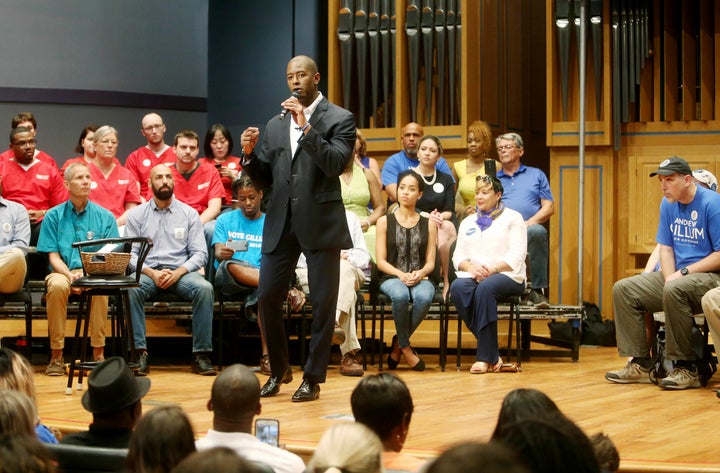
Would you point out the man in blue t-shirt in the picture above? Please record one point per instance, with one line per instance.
(406, 159)
(237, 242)
(527, 191)
(689, 239)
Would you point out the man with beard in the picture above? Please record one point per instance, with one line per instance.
(178, 252)
(78, 219)
(155, 152)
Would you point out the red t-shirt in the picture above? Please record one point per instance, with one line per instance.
(38, 188)
(142, 160)
(40, 155)
(114, 192)
(232, 162)
(203, 185)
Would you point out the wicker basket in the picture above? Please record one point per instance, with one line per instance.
(105, 263)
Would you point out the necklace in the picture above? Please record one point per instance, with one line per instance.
(431, 181)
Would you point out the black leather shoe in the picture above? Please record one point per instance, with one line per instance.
(143, 364)
(201, 365)
(308, 391)
(272, 385)
(392, 364)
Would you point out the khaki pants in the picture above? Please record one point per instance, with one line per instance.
(12, 271)
(711, 309)
(58, 290)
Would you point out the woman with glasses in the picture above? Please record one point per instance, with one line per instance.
(113, 187)
(490, 261)
(218, 146)
(405, 250)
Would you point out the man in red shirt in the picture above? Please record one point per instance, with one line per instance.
(36, 185)
(198, 185)
(27, 120)
(155, 152)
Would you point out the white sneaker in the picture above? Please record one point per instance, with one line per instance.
(632, 373)
(680, 378)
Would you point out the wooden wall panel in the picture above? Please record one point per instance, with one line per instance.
(490, 55)
(598, 231)
(515, 69)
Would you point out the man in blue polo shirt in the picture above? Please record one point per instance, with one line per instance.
(527, 191)
(406, 159)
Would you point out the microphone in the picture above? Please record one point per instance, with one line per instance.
(285, 110)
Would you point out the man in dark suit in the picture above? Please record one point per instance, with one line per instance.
(302, 155)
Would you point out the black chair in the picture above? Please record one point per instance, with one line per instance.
(82, 459)
(23, 297)
(116, 285)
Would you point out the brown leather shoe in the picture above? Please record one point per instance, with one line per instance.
(265, 365)
(349, 365)
(338, 335)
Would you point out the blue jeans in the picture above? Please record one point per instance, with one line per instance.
(191, 287)
(406, 321)
(537, 246)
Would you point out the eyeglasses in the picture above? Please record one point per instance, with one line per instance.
(485, 178)
(506, 148)
(25, 144)
(153, 127)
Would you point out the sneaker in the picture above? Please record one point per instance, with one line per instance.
(632, 373)
(338, 335)
(201, 365)
(680, 378)
(56, 367)
(143, 364)
(265, 365)
(349, 365)
(538, 299)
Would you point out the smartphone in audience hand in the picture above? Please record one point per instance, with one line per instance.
(268, 431)
(237, 245)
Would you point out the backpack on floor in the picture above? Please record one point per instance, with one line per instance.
(706, 363)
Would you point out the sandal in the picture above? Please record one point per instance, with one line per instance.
(479, 367)
(496, 367)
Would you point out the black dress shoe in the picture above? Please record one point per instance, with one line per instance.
(392, 364)
(143, 364)
(308, 391)
(272, 385)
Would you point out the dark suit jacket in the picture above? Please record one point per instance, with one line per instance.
(307, 184)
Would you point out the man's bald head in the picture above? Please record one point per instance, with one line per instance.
(235, 394)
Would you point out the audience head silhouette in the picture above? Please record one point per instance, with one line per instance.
(383, 403)
(217, 460)
(24, 454)
(18, 415)
(162, 438)
(549, 444)
(522, 403)
(347, 448)
(235, 399)
(16, 373)
(473, 457)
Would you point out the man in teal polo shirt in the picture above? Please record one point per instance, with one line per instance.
(75, 220)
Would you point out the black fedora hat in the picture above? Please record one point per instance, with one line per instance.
(112, 386)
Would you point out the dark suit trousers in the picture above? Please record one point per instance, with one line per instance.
(276, 268)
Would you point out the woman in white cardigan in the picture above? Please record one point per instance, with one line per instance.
(490, 261)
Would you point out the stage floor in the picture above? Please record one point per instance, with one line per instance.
(654, 430)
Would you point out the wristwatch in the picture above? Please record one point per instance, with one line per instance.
(684, 271)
